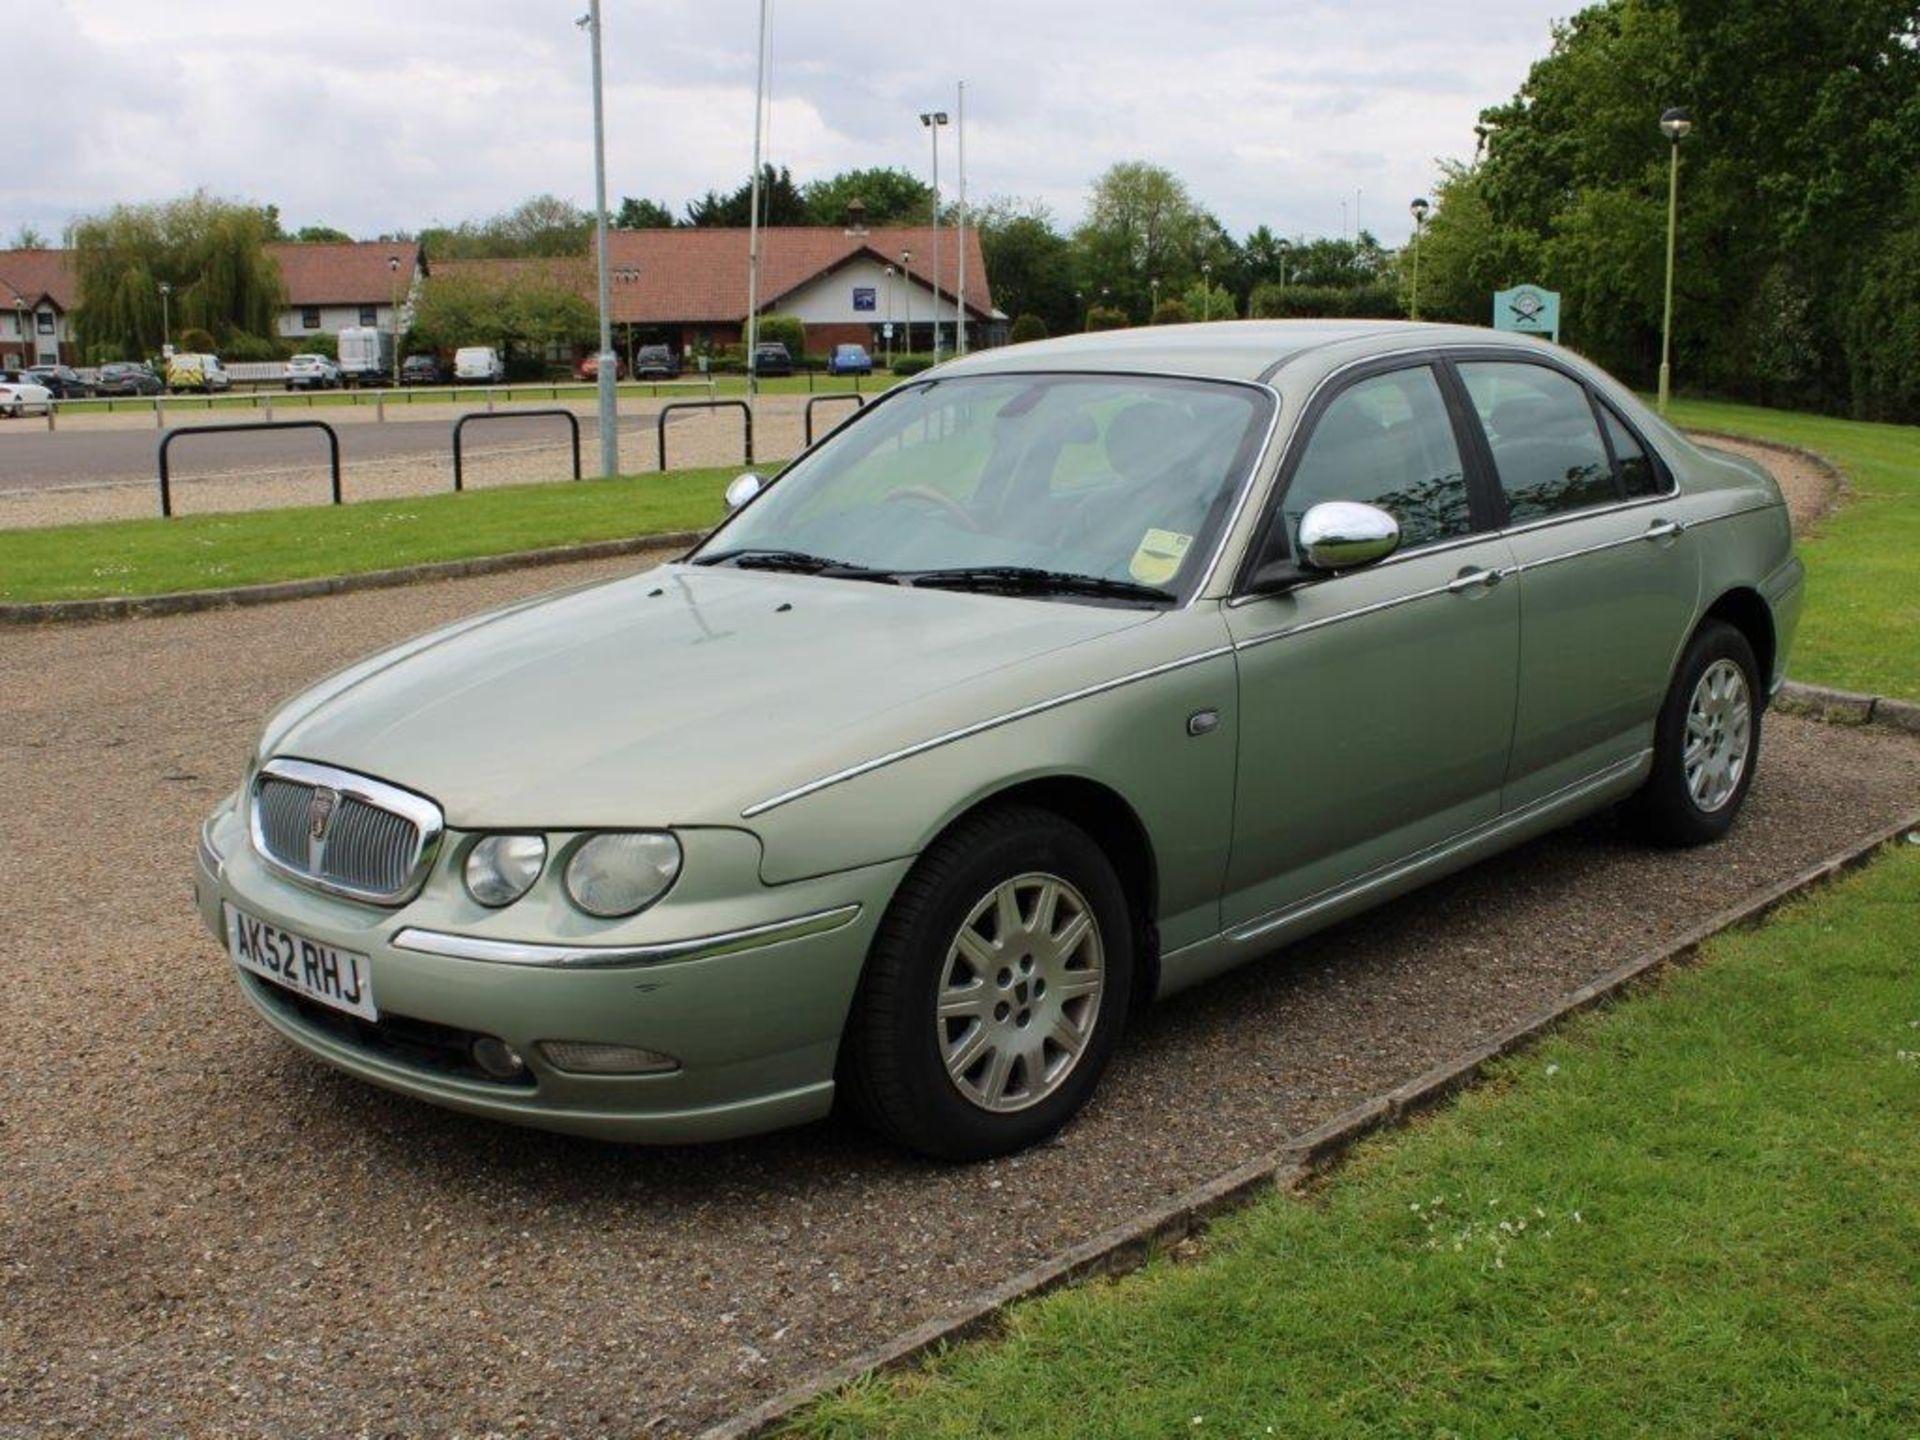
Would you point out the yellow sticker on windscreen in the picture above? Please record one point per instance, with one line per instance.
(1158, 558)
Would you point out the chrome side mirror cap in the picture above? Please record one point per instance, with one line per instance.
(743, 488)
(1344, 534)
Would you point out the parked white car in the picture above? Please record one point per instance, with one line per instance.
(17, 397)
(312, 372)
(479, 363)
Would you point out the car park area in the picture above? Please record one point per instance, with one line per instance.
(202, 1228)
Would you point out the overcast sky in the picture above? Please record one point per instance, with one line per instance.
(375, 115)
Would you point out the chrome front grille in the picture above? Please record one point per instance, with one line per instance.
(343, 833)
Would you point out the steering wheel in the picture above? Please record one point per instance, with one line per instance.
(953, 509)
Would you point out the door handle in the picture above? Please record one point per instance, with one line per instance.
(1473, 580)
(1664, 529)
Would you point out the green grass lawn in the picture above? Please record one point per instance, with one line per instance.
(1692, 1214)
(1861, 626)
(203, 552)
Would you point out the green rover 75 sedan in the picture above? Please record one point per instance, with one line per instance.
(1064, 676)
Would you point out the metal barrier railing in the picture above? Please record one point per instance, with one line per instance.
(859, 403)
(573, 422)
(660, 425)
(166, 444)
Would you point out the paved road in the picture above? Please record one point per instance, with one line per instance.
(39, 459)
(202, 1232)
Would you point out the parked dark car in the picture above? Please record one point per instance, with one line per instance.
(422, 370)
(62, 380)
(127, 377)
(655, 362)
(587, 367)
(771, 358)
(850, 360)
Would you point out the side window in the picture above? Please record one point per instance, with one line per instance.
(1546, 444)
(1638, 475)
(1386, 442)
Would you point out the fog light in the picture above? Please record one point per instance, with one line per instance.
(589, 1057)
(498, 1058)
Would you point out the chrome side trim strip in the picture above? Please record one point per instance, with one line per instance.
(1039, 707)
(1678, 527)
(1395, 869)
(1391, 603)
(601, 957)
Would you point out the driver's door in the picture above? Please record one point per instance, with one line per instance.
(1376, 706)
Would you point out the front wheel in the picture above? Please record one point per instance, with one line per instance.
(996, 989)
(1706, 742)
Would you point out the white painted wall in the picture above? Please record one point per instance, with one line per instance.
(829, 299)
(39, 348)
(333, 319)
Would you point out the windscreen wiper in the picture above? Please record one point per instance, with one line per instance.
(797, 561)
(1028, 580)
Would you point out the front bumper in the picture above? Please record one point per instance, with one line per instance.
(756, 1030)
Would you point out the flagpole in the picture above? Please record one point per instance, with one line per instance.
(753, 212)
(960, 223)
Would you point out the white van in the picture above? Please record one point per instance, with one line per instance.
(204, 373)
(479, 362)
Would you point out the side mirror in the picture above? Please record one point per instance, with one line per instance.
(743, 488)
(1343, 534)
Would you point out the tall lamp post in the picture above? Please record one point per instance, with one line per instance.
(393, 293)
(1086, 314)
(889, 274)
(1206, 290)
(166, 321)
(1674, 124)
(933, 120)
(608, 362)
(1418, 209)
(1153, 287)
(906, 337)
(1285, 247)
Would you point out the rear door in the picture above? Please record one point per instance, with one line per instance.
(1608, 580)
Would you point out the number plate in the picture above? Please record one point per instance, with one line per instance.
(341, 979)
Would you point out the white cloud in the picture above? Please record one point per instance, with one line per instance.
(372, 115)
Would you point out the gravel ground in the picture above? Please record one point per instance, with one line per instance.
(203, 1233)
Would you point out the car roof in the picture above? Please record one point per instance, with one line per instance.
(1226, 349)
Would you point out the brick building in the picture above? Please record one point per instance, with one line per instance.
(37, 294)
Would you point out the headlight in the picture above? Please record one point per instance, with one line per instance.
(502, 868)
(619, 873)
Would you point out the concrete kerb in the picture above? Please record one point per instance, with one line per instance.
(1293, 1168)
(187, 601)
(1845, 707)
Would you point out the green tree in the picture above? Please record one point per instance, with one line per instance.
(642, 215)
(541, 227)
(523, 311)
(780, 203)
(320, 234)
(1141, 224)
(890, 196)
(211, 251)
(1030, 264)
(28, 237)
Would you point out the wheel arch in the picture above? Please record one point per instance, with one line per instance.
(1112, 824)
(1744, 608)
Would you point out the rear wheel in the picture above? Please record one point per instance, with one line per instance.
(996, 990)
(1706, 742)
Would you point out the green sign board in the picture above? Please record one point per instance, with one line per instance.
(1529, 310)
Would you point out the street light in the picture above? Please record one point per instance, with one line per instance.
(608, 362)
(933, 120)
(1418, 209)
(166, 322)
(1674, 124)
(906, 259)
(393, 292)
(889, 273)
(1153, 315)
(1206, 290)
(1086, 314)
(1285, 247)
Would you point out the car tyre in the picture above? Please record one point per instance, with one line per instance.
(1706, 742)
(1008, 902)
